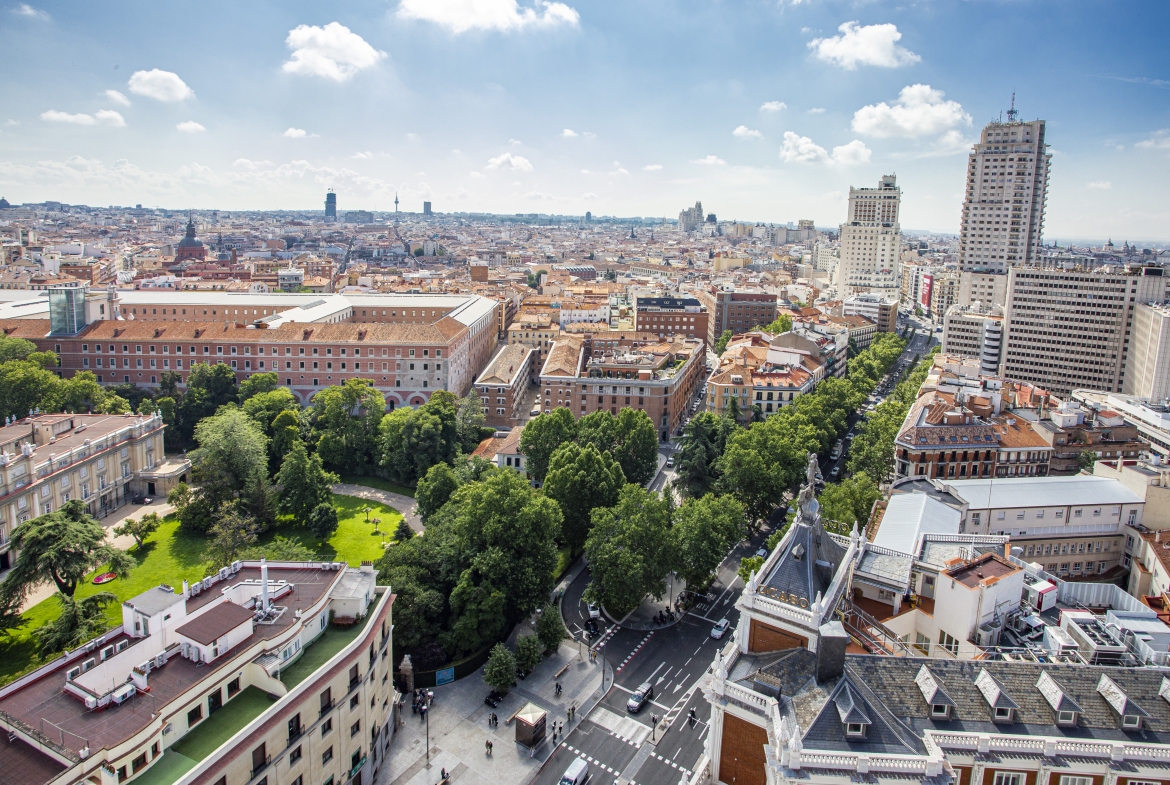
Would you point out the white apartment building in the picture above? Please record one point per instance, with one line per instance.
(975, 332)
(1151, 418)
(1147, 371)
(982, 288)
(870, 241)
(1071, 329)
(1007, 187)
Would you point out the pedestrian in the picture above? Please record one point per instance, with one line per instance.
(487, 747)
(491, 747)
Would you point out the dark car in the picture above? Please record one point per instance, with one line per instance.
(593, 628)
(640, 698)
(144, 500)
(493, 699)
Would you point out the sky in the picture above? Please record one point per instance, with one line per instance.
(764, 110)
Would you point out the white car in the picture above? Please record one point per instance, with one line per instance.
(594, 611)
(720, 628)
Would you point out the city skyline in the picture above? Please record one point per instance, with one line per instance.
(493, 106)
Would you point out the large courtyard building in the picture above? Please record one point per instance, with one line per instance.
(156, 697)
(871, 240)
(1007, 190)
(737, 310)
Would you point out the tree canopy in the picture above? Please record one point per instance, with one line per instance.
(542, 436)
(304, 483)
(345, 420)
(581, 479)
(630, 550)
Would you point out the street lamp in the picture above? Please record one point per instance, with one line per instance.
(377, 521)
(653, 726)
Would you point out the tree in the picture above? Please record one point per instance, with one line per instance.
(24, 386)
(179, 496)
(304, 482)
(636, 447)
(113, 404)
(581, 479)
(435, 489)
(721, 344)
(732, 410)
(414, 440)
(629, 550)
(286, 431)
(139, 529)
(500, 671)
(471, 422)
(1086, 460)
(477, 612)
(231, 534)
(849, 501)
(747, 477)
(231, 460)
(345, 421)
(782, 324)
(168, 385)
(542, 436)
(748, 565)
(696, 461)
(62, 546)
(322, 521)
(704, 531)
(264, 407)
(598, 428)
(403, 532)
(512, 532)
(208, 388)
(528, 653)
(258, 383)
(549, 628)
(80, 620)
(15, 348)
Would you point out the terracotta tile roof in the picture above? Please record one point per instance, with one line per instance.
(440, 332)
(565, 356)
(505, 365)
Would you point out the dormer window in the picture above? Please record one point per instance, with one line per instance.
(1066, 718)
(1131, 722)
(855, 730)
(1003, 714)
(940, 711)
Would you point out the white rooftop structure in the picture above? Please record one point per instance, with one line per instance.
(909, 516)
(1023, 492)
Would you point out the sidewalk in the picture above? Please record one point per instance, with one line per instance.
(404, 504)
(459, 727)
(642, 617)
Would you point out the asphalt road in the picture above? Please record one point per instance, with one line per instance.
(619, 743)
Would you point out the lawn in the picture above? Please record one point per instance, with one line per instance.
(171, 556)
(379, 483)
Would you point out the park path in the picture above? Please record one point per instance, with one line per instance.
(404, 504)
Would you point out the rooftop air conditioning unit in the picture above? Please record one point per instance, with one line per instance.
(72, 673)
(122, 646)
(88, 664)
(223, 573)
(90, 646)
(107, 652)
(146, 666)
(124, 693)
(236, 565)
(160, 660)
(185, 650)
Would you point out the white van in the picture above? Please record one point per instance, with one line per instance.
(577, 772)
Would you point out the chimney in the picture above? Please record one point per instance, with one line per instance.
(263, 583)
(831, 651)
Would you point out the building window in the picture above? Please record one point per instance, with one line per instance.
(948, 643)
(326, 756)
(194, 715)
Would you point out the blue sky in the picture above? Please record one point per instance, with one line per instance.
(765, 111)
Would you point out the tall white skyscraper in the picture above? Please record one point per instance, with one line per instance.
(1007, 187)
(870, 241)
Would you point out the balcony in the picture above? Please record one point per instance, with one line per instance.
(257, 771)
(295, 734)
(357, 767)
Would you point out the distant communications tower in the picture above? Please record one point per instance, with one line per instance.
(1012, 113)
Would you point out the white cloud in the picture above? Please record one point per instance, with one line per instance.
(1100, 185)
(817, 110)
(27, 11)
(117, 97)
(295, 133)
(919, 111)
(1159, 141)
(773, 106)
(569, 133)
(110, 117)
(801, 149)
(459, 16)
(477, 174)
(588, 195)
(249, 164)
(590, 135)
(514, 141)
(160, 85)
(53, 116)
(710, 160)
(869, 45)
(509, 161)
(190, 127)
(539, 196)
(743, 132)
(332, 52)
(363, 156)
(652, 168)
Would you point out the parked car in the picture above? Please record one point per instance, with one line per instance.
(493, 699)
(835, 472)
(592, 628)
(720, 628)
(144, 500)
(670, 462)
(640, 698)
(594, 611)
(762, 553)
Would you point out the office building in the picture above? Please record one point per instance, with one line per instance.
(765, 371)
(1147, 371)
(427, 208)
(670, 316)
(1071, 329)
(690, 219)
(330, 206)
(1007, 190)
(737, 310)
(504, 383)
(879, 308)
(1151, 418)
(982, 288)
(104, 460)
(975, 331)
(219, 683)
(870, 241)
(610, 371)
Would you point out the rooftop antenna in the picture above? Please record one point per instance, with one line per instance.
(1011, 113)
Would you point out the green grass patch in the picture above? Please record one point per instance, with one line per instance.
(379, 483)
(206, 737)
(564, 559)
(171, 556)
(169, 769)
(320, 651)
